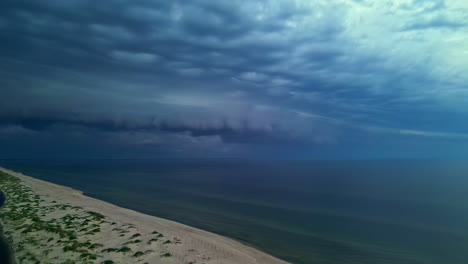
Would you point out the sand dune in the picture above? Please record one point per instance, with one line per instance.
(50, 223)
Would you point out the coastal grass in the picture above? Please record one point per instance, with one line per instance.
(44, 228)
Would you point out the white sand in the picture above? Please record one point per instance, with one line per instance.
(188, 244)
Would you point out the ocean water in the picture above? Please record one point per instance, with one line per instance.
(333, 212)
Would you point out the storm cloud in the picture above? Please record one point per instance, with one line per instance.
(234, 76)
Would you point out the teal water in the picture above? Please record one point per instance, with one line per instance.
(344, 212)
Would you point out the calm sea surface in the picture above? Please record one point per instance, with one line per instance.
(334, 212)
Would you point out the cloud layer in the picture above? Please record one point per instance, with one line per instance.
(235, 76)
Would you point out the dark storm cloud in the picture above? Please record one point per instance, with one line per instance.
(240, 134)
(273, 72)
(175, 37)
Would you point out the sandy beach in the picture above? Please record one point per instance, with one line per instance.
(65, 226)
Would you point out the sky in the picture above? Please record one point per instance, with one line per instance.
(282, 79)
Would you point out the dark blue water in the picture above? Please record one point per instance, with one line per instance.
(406, 212)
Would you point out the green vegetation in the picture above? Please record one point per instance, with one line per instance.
(135, 236)
(93, 232)
(132, 242)
(23, 213)
(69, 262)
(110, 250)
(95, 245)
(125, 249)
(166, 255)
(28, 215)
(97, 216)
(152, 240)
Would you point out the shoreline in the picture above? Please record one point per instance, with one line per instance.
(118, 228)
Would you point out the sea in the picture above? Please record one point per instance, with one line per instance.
(304, 212)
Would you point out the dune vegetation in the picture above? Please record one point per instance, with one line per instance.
(42, 231)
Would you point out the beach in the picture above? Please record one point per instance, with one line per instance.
(62, 224)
